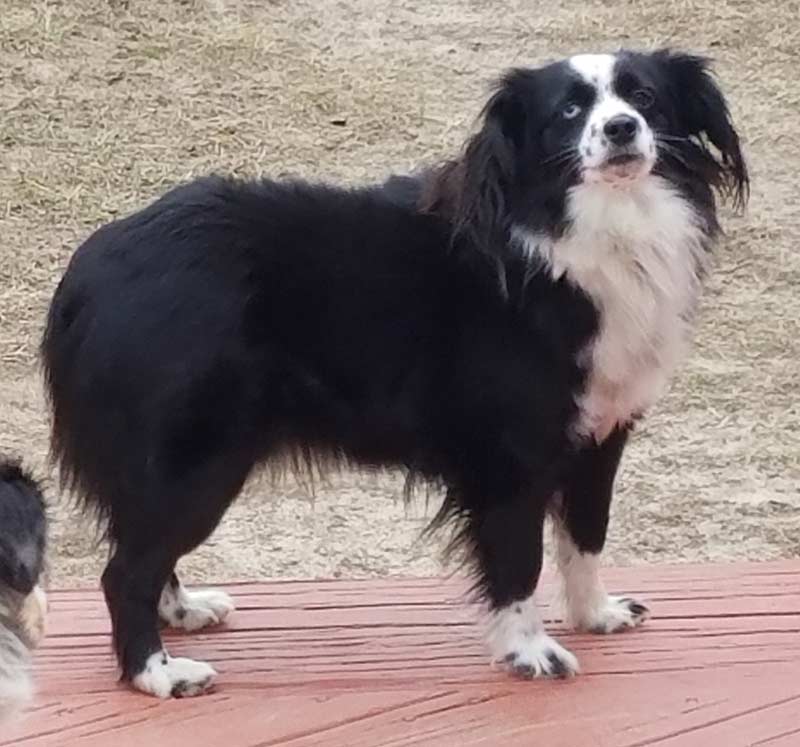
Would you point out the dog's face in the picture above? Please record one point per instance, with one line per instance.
(611, 120)
(23, 528)
(586, 119)
(616, 144)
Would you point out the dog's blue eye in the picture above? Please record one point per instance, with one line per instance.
(571, 111)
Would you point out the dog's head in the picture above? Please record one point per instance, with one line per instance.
(23, 529)
(23, 603)
(612, 120)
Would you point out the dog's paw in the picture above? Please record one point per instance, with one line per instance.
(195, 609)
(541, 656)
(165, 677)
(614, 615)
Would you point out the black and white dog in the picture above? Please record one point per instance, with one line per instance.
(494, 325)
(23, 603)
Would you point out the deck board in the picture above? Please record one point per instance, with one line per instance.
(401, 662)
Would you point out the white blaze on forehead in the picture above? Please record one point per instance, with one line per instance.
(597, 69)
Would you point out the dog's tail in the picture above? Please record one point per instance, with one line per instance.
(89, 428)
(75, 448)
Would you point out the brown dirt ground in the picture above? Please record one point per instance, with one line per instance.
(103, 105)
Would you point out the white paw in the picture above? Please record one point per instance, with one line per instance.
(165, 676)
(614, 615)
(516, 637)
(541, 656)
(193, 610)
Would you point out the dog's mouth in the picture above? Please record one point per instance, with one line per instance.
(622, 168)
(622, 159)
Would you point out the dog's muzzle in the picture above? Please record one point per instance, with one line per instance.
(32, 616)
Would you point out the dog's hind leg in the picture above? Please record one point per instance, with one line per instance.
(193, 609)
(133, 582)
(140, 583)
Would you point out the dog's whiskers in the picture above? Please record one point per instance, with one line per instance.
(666, 148)
(676, 138)
(563, 155)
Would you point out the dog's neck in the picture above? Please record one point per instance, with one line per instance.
(639, 254)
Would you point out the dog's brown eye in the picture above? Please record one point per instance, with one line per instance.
(643, 98)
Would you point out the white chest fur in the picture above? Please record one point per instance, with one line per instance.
(638, 254)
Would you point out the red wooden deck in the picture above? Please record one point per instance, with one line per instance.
(401, 662)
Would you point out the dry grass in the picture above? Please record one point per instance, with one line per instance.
(106, 104)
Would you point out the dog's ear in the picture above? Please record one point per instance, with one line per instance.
(474, 190)
(706, 116)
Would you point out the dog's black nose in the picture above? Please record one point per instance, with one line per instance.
(22, 578)
(621, 130)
